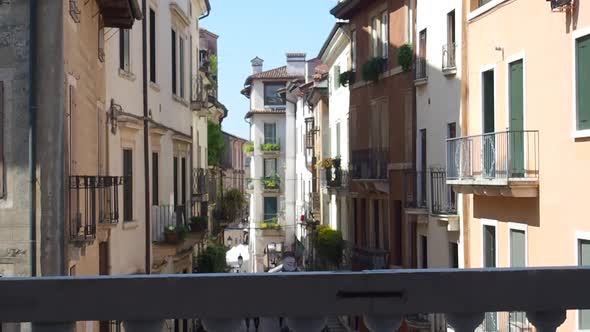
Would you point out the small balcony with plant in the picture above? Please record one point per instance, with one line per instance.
(373, 68)
(249, 148)
(347, 78)
(270, 147)
(270, 223)
(332, 175)
(271, 183)
(420, 71)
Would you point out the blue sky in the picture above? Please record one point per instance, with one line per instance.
(267, 29)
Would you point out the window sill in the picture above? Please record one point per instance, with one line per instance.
(180, 100)
(581, 134)
(154, 86)
(126, 75)
(483, 9)
(130, 224)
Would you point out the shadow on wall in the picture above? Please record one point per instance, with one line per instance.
(524, 210)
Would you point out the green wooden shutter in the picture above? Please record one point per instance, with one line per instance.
(489, 233)
(583, 79)
(2, 189)
(517, 248)
(516, 136)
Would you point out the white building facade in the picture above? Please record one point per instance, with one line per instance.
(172, 54)
(438, 111)
(272, 164)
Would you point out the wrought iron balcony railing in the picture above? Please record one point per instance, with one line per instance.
(420, 69)
(369, 164)
(443, 198)
(171, 219)
(415, 184)
(92, 200)
(199, 181)
(449, 63)
(383, 298)
(497, 158)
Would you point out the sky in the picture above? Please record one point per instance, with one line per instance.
(267, 29)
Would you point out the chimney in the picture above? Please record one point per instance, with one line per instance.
(296, 63)
(257, 65)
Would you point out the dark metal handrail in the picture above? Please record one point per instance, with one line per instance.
(420, 68)
(443, 198)
(369, 163)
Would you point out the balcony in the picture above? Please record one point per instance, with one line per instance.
(415, 185)
(200, 179)
(361, 259)
(449, 64)
(443, 200)
(384, 298)
(369, 164)
(420, 75)
(271, 147)
(170, 223)
(271, 184)
(93, 200)
(495, 164)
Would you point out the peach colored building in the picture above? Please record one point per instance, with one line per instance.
(525, 150)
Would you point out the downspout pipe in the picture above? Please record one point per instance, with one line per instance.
(146, 147)
(33, 134)
(208, 5)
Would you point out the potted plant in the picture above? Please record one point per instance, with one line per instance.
(347, 78)
(271, 182)
(182, 232)
(372, 68)
(270, 147)
(404, 57)
(171, 234)
(198, 223)
(326, 163)
(249, 148)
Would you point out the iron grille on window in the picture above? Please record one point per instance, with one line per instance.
(309, 133)
(200, 179)
(92, 200)
(75, 11)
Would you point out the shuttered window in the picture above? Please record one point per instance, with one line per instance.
(173, 55)
(155, 178)
(583, 82)
(124, 49)
(128, 187)
(152, 45)
(2, 170)
(517, 248)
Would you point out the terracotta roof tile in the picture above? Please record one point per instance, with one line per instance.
(280, 72)
(277, 110)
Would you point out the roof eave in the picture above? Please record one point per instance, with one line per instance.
(345, 9)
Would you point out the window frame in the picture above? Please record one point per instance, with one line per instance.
(264, 169)
(494, 224)
(128, 213)
(513, 226)
(275, 138)
(264, 213)
(576, 35)
(264, 93)
(125, 50)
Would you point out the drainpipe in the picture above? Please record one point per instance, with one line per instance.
(464, 119)
(146, 148)
(33, 134)
(208, 5)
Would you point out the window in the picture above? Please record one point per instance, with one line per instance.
(173, 48)
(270, 133)
(584, 260)
(336, 78)
(353, 50)
(424, 252)
(338, 139)
(376, 220)
(124, 49)
(152, 45)
(423, 166)
(128, 186)
(375, 37)
(2, 170)
(454, 255)
(270, 167)
(183, 180)
(451, 28)
(385, 35)
(422, 45)
(583, 83)
(489, 246)
(270, 208)
(488, 99)
(181, 66)
(155, 178)
(175, 180)
(517, 248)
(271, 94)
(483, 2)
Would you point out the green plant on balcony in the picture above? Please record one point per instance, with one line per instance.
(212, 259)
(174, 234)
(404, 57)
(347, 78)
(198, 223)
(249, 147)
(270, 224)
(271, 182)
(372, 68)
(270, 147)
